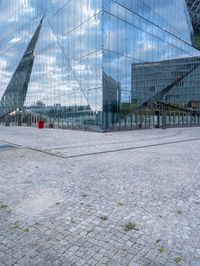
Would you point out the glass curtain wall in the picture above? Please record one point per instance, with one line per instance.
(83, 71)
(66, 79)
(144, 31)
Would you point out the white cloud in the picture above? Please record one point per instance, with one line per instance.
(3, 64)
(13, 11)
(15, 40)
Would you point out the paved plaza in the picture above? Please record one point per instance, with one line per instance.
(83, 198)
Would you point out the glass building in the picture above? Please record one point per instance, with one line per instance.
(86, 53)
(151, 77)
(194, 11)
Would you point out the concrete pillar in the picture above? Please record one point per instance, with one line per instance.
(149, 120)
(174, 119)
(158, 119)
(7, 120)
(141, 116)
(19, 119)
(29, 120)
(131, 121)
(164, 120)
(136, 121)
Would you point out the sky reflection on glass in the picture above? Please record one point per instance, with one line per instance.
(81, 39)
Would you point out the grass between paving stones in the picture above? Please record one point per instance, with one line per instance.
(27, 182)
(50, 238)
(5, 207)
(178, 260)
(120, 204)
(16, 225)
(84, 195)
(104, 218)
(88, 210)
(161, 249)
(130, 226)
(90, 231)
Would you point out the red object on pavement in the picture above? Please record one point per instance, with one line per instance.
(40, 124)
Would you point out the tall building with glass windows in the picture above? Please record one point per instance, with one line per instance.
(85, 52)
(194, 12)
(151, 77)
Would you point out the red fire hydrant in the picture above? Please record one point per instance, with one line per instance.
(40, 124)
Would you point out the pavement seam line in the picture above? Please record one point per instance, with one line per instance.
(104, 152)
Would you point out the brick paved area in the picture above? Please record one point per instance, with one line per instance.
(137, 205)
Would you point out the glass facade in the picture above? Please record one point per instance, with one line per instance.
(194, 11)
(151, 77)
(84, 57)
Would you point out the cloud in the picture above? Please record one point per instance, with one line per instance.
(3, 64)
(14, 11)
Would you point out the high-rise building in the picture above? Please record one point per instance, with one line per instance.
(151, 77)
(194, 12)
(86, 50)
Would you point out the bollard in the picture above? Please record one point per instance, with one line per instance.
(40, 124)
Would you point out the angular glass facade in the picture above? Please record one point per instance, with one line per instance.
(194, 11)
(151, 77)
(84, 57)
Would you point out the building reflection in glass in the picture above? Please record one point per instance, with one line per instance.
(87, 53)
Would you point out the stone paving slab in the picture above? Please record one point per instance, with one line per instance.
(73, 143)
(136, 207)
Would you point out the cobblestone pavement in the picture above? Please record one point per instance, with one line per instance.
(136, 206)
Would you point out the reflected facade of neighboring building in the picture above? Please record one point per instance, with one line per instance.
(150, 77)
(194, 12)
(86, 51)
(111, 91)
(111, 99)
